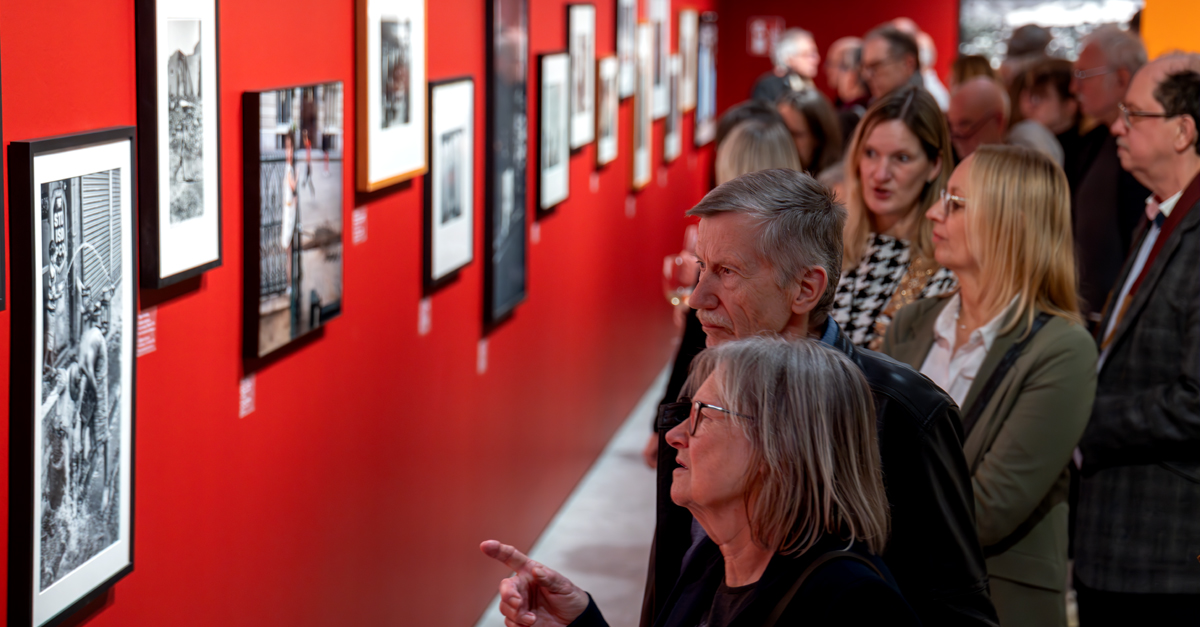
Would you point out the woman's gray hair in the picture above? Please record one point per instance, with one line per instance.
(807, 412)
(1122, 49)
(800, 225)
(787, 45)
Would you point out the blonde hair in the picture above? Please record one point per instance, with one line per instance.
(808, 414)
(755, 145)
(921, 116)
(1018, 216)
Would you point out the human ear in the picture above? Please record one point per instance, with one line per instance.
(1185, 137)
(810, 290)
(935, 170)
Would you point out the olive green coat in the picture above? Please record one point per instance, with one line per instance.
(1018, 452)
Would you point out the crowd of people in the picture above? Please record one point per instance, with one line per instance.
(921, 375)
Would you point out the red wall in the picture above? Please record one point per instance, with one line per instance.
(828, 22)
(377, 459)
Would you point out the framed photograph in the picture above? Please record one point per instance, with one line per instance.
(643, 123)
(706, 82)
(689, 27)
(504, 240)
(292, 173)
(607, 109)
(71, 407)
(581, 29)
(672, 137)
(179, 144)
(450, 183)
(391, 92)
(660, 19)
(554, 164)
(627, 20)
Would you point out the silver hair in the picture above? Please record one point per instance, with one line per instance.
(1122, 49)
(800, 225)
(786, 46)
(808, 415)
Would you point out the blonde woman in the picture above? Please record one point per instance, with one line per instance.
(1011, 349)
(753, 145)
(896, 168)
(779, 464)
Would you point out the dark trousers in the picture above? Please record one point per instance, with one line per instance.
(1100, 608)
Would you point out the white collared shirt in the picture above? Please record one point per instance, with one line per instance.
(1139, 263)
(954, 368)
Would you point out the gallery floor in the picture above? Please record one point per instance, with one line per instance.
(600, 538)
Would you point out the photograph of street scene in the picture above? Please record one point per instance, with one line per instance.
(300, 235)
(83, 245)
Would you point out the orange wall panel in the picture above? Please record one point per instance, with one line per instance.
(1171, 25)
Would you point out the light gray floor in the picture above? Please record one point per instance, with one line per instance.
(600, 539)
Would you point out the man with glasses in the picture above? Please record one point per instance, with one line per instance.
(770, 250)
(979, 114)
(1108, 201)
(890, 60)
(1137, 528)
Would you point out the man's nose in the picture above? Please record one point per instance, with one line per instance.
(702, 296)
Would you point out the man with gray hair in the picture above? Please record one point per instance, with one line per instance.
(1137, 526)
(770, 252)
(1108, 201)
(796, 60)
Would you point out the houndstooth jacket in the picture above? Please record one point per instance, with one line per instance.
(1137, 524)
(864, 291)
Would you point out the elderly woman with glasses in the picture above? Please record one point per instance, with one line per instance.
(1010, 348)
(778, 462)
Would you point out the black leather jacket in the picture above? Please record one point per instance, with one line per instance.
(933, 552)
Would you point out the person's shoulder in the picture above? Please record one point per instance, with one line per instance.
(1061, 335)
(904, 387)
(848, 592)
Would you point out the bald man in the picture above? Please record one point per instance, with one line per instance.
(978, 115)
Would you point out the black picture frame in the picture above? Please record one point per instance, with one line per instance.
(506, 172)
(430, 282)
(77, 311)
(548, 113)
(287, 263)
(149, 106)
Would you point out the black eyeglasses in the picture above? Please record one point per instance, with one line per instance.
(1126, 114)
(696, 416)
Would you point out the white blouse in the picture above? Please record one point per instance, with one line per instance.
(954, 368)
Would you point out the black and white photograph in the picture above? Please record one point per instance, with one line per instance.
(392, 92)
(185, 115)
(73, 382)
(706, 82)
(607, 109)
(450, 183)
(505, 235)
(554, 166)
(660, 18)
(985, 26)
(643, 106)
(395, 60)
(672, 136)
(581, 33)
(295, 205)
(179, 140)
(689, 26)
(627, 21)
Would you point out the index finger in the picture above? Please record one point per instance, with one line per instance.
(511, 557)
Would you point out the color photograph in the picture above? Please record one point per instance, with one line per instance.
(298, 225)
